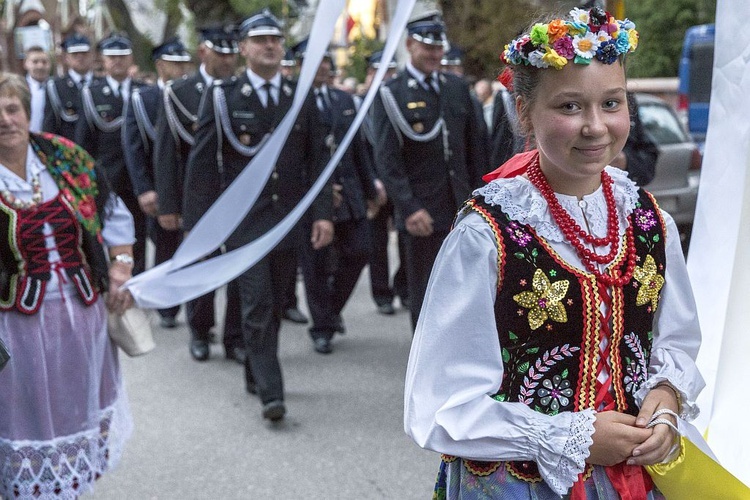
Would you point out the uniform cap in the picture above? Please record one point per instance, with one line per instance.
(453, 57)
(221, 39)
(428, 28)
(375, 60)
(76, 43)
(300, 49)
(171, 50)
(262, 23)
(289, 59)
(115, 45)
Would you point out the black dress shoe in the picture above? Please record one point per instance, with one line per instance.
(295, 316)
(168, 322)
(386, 308)
(199, 350)
(237, 354)
(338, 326)
(323, 346)
(274, 410)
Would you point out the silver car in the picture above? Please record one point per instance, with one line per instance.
(675, 185)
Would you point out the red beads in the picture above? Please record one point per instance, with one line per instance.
(577, 237)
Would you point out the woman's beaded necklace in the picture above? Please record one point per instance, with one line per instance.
(577, 237)
(36, 196)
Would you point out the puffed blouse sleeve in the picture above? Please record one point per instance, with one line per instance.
(677, 335)
(117, 224)
(455, 366)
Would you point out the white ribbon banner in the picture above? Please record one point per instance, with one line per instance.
(181, 278)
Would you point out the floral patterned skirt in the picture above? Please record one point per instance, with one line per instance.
(64, 417)
(455, 481)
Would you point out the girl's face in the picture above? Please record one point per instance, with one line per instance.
(580, 122)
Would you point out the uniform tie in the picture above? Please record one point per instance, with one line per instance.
(270, 102)
(430, 84)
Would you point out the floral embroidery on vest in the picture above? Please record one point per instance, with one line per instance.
(550, 343)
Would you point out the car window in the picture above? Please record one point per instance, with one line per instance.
(661, 124)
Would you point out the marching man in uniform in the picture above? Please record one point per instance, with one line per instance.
(428, 153)
(235, 122)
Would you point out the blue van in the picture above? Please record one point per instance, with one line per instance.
(696, 70)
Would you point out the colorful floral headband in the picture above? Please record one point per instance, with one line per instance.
(587, 34)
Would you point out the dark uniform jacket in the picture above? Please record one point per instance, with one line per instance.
(298, 166)
(171, 150)
(428, 174)
(105, 145)
(138, 135)
(62, 107)
(355, 172)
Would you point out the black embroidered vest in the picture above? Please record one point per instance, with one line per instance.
(550, 323)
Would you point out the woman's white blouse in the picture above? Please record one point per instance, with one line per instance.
(455, 364)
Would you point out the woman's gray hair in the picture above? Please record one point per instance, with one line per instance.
(12, 85)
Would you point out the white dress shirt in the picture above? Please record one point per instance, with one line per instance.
(258, 83)
(455, 364)
(38, 99)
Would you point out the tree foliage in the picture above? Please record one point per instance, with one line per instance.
(662, 27)
(482, 28)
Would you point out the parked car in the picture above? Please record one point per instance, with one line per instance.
(675, 185)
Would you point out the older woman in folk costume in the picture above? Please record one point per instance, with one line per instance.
(63, 415)
(557, 343)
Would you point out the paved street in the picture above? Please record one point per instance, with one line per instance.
(198, 435)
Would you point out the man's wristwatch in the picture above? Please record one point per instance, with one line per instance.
(124, 258)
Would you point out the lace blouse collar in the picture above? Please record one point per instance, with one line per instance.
(522, 202)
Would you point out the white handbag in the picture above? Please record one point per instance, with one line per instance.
(131, 331)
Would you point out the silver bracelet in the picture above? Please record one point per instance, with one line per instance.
(124, 258)
(663, 411)
(664, 421)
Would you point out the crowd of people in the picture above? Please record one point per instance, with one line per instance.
(94, 164)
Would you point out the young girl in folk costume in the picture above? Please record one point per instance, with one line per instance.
(556, 347)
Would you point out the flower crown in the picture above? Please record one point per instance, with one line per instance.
(586, 34)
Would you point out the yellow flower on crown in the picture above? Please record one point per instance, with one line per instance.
(633, 39)
(544, 301)
(553, 58)
(651, 283)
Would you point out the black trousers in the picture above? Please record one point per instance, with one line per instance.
(263, 290)
(201, 313)
(165, 245)
(332, 272)
(420, 257)
(380, 277)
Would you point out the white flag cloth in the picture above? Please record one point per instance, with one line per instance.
(718, 259)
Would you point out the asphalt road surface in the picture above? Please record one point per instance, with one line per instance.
(199, 435)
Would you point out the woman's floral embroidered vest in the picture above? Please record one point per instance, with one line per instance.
(551, 324)
(76, 230)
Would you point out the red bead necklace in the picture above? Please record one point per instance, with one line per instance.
(577, 237)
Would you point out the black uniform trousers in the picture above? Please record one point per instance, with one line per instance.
(332, 272)
(201, 316)
(165, 245)
(262, 290)
(421, 253)
(380, 278)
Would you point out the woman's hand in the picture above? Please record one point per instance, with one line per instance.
(118, 301)
(615, 437)
(657, 447)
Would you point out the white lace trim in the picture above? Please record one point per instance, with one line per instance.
(522, 202)
(575, 452)
(67, 466)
